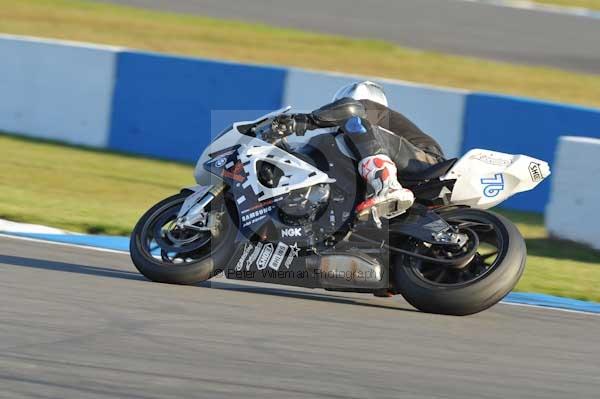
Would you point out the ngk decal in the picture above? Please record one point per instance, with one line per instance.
(292, 232)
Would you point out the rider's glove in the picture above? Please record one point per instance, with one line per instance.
(304, 122)
(286, 125)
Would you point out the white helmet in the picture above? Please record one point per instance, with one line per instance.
(366, 90)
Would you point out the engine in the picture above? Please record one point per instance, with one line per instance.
(304, 205)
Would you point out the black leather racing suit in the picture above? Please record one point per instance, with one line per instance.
(371, 128)
(391, 133)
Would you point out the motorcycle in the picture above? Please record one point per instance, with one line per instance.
(265, 210)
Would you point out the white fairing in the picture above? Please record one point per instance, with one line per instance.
(486, 178)
(297, 173)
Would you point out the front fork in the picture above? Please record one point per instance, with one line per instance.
(192, 211)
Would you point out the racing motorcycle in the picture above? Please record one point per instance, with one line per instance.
(270, 211)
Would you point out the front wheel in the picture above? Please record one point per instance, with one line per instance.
(488, 277)
(165, 253)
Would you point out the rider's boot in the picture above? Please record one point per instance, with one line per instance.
(380, 172)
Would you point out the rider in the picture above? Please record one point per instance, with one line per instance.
(385, 141)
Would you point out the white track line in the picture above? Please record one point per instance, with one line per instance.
(547, 8)
(47, 40)
(527, 305)
(63, 244)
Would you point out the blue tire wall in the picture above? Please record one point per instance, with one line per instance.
(523, 126)
(163, 104)
(169, 107)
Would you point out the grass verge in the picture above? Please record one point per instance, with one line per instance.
(81, 189)
(199, 36)
(97, 192)
(556, 267)
(591, 4)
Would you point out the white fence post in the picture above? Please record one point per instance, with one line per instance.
(572, 212)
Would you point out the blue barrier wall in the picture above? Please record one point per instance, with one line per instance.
(162, 104)
(168, 107)
(524, 126)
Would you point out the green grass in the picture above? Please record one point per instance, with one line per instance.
(97, 192)
(591, 4)
(79, 189)
(556, 267)
(198, 36)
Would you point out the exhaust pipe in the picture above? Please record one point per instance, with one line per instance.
(346, 270)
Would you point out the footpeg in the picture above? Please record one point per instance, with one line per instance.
(385, 210)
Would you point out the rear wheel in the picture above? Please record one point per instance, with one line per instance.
(488, 277)
(166, 253)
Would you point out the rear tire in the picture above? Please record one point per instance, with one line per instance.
(211, 259)
(468, 297)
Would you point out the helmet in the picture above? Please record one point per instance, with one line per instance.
(366, 90)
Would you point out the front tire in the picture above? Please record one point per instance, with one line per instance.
(194, 266)
(444, 293)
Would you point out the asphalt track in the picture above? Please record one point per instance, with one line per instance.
(449, 26)
(81, 323)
